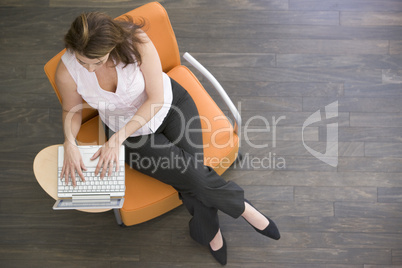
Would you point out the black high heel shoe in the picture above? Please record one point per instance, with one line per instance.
(271, 230)
(221, 254)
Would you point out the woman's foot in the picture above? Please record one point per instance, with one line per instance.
(217, 242)
(254, 217)
(260, 222)
(218, 249)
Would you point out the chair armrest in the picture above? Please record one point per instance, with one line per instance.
(235, 113)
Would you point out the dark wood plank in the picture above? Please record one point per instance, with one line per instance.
(329, 61)
(14, 115)
(321, 255)
(67, 253)
(355, 104)
(296, 75)
(323, 240)
(17, 100)
(253, 118)
(280, 162)
(296, 148)
(50, 264)
(381, 266)
(32, 145)
(391, 76)
(375, 119)
(397, 257)
(203, 15)
(346, 5)
(390, 195)
(28, 189)
(12, 72)
(9, 130)
(18, 3)
(370, 18)
(289, 46)
(57, 17)
(17, 167)
(383, 149)
(368, 210)
(360, 194)
(180, 4)
(296, 209)
(285, 104)
(275, 89)
(373, 164)
(314, 178)
(30, 206)
(38, 130)
(234, 59)
(88, 237)
(175, 219)
(355, 225)
(289, 32)
(270, 193)
(267, 135)
(298, 89)
(14, 222)
(368, 134)
(395, 47)
(37, 86)
(373, 90)
(128, 264)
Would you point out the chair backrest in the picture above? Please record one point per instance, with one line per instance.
(158, 28)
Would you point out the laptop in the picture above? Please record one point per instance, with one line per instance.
(94, 193)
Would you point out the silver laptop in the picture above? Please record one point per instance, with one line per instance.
(94, 193)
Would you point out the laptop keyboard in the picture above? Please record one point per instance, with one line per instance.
(92, 183)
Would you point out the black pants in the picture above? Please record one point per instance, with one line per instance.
(174, 156)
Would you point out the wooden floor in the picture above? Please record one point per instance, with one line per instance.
(280, 60)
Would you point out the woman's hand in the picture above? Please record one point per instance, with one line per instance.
(72, 163)
(108, 155)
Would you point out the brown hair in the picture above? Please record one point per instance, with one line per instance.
(95, 34)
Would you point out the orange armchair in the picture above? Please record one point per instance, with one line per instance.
(146, 197)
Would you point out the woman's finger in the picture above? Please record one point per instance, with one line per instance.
(110, 168)
(72, 175)
(96, 155)
(79, 171)
(62, 172)
(103, 173)
(66, 175)
(82, 165)
(117, 163)
(98, 166)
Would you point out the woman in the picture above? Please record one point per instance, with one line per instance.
(115, 68)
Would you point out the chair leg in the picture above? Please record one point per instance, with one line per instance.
(239, 157)
(117, 216)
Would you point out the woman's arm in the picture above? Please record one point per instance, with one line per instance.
(72, 116)
(151, 69)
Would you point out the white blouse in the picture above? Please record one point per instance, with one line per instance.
(116, 109)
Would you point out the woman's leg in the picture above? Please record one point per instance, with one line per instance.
(205, 223)
(174, 155)
(173, 127)
(180, 169)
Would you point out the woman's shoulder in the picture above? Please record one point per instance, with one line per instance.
(68, 57)
(63, 73)
(67, 67)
